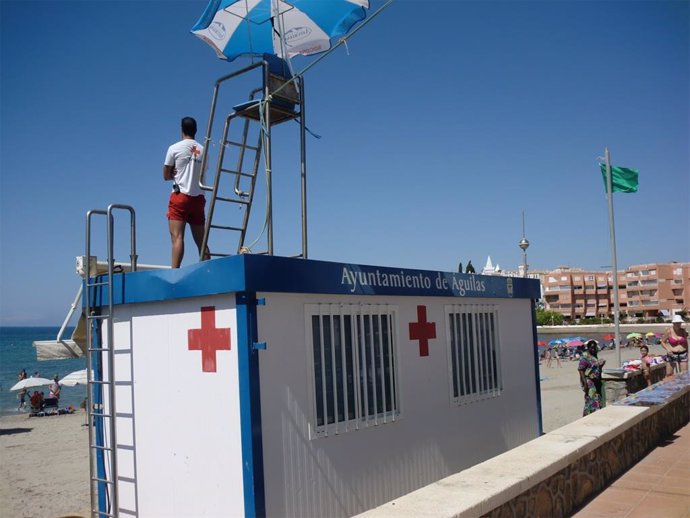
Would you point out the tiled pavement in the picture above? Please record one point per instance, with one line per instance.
(656, 487)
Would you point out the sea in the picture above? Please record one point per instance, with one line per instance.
(17, 353)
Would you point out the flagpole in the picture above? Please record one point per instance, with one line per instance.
(614, 261)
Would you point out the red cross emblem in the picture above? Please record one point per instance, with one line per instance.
(208, 339)
(195, 151)
(422, 331)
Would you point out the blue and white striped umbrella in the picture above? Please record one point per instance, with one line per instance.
(283, 28)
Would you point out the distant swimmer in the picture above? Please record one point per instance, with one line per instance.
(186, 205)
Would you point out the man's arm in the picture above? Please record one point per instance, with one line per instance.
(168, 172)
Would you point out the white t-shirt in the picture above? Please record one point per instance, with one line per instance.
(186, 157)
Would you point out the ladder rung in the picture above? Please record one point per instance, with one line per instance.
(215, 254)
(94, 284)
(124, 447)
(98, 414)
(102, 448)
(238, 173)
(98, 349)
(239, 201)
(97, 317)
(221, 227)
(124, 415)
(240, 144)
(101, 382)
(123, 383)
(127, 511)
(101, 513)
(126, 479)
(105, 481)
(123, 351)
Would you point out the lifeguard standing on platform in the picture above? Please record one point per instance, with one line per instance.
(183, 166)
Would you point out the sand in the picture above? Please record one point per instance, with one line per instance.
(562, 400)
(44, 469)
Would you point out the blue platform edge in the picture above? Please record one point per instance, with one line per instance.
(260, 273)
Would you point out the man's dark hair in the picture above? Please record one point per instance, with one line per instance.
(189, 127)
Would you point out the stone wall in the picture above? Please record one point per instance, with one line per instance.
(618, 387)
(566, 491)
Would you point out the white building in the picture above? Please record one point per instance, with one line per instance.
(267, 386)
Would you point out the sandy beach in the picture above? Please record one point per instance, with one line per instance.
(44, 471)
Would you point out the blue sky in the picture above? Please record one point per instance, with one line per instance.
(441, 123)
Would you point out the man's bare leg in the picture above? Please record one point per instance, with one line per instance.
(198, 235)
(177, 238)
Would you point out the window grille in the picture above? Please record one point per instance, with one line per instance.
(474, 356)
(353, 361)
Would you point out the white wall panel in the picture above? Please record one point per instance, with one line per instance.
(343, 474)
(187, 425)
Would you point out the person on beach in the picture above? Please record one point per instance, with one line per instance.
(589, 367)
(36, 401)
(675, 341)
(21, 395)
(645, 364)
(186, 205)
(54, 388)
(553, 353)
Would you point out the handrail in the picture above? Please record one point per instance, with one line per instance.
(211, 117)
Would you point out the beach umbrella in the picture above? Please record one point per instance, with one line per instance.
(633, 335)
(582, 339)
(236, 28)
(557, 341)
(31, 383)
(650, 334)
(609, 337)
(575, 343)
(542, 343)
(74, 378)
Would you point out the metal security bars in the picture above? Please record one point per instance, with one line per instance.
(474, 356)
(353, 363)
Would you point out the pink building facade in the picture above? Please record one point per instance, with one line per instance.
(645, 291)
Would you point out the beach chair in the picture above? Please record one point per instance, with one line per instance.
(50, 405)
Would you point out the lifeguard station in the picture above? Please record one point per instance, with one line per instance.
(279, 99)
(255, 385)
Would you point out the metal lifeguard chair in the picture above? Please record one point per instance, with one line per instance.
(278, 99)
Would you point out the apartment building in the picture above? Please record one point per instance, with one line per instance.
(657, 289)
(647, 291)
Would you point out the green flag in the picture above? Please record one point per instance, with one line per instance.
(622, 178)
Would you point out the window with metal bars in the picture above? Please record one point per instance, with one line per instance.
(474, 356)
(354, 365)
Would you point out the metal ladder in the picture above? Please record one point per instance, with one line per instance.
(278, 102)
(106, 482)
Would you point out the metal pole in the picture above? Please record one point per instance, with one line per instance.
(114, 496)
(266, 128)
(303, 169)
(614, 262)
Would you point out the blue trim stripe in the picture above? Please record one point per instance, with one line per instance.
(97, 402)
(250, 407)
(259, 273)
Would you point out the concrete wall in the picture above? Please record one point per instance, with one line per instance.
(551, 476)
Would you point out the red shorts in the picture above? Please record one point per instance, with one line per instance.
(183, 207)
